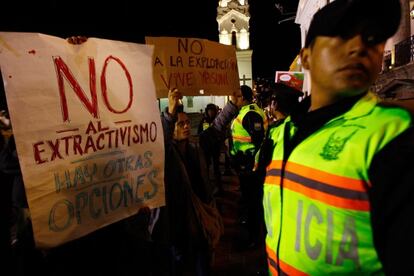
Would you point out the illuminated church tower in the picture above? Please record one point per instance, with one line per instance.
(233, 21)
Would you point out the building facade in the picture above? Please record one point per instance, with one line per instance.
(396, 80)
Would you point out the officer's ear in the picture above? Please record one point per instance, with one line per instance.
(305, 57)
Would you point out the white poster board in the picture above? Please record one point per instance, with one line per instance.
(87, 128)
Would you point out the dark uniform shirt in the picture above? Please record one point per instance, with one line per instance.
(253, 124)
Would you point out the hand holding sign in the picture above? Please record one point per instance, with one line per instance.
(174, 100)
(87, 129)
(76, 40)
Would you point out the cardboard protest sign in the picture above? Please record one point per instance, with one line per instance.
(293, 79)
(87, 129)
(193, 65)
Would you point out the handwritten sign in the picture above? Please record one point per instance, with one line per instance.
(87, 130)
(192, 65)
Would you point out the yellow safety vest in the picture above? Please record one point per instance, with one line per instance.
(241, 138)
(322, 214)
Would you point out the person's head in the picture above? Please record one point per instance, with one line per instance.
(345, 43)
(263, 90)
(284, 99)
(4, 120)
(182, 128)
(247, 94)
(211, 110)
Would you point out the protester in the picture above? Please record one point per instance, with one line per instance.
(122, 248)
(182, 231)
(338, 195)
(6, 194)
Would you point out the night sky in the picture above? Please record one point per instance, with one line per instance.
(274, 45)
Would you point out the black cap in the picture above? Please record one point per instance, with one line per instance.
(211, 106)
(285, 90)
(278, 91)
(376, 20)
(286, 97)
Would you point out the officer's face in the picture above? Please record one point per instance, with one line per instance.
(212, 113)
(342, 66)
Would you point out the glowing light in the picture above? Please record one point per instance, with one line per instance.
(243, 39)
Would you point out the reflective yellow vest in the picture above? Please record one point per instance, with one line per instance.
(322, 214)
(241, 138)
(206, 125)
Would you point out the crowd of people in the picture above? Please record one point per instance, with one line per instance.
(325, 180)
(178, 236)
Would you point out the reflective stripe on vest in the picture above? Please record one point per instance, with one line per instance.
(326, 225)
(241, 138)
(285, 269)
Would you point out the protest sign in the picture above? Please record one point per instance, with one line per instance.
(193, 65)
(87, 129)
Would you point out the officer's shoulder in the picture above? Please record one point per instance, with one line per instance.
(274, 127)
(253, 113)
(398, 107)
(278, 123)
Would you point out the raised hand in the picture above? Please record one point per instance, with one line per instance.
(174, 100)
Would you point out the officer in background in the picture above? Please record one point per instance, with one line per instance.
(248, 130)
(213, 154)
(209, 115)
(278, 100)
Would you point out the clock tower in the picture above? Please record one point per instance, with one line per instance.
(233, 24)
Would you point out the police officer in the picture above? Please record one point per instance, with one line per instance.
(248, 130)
(213, 154)
(338, 195)
(210, 114)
